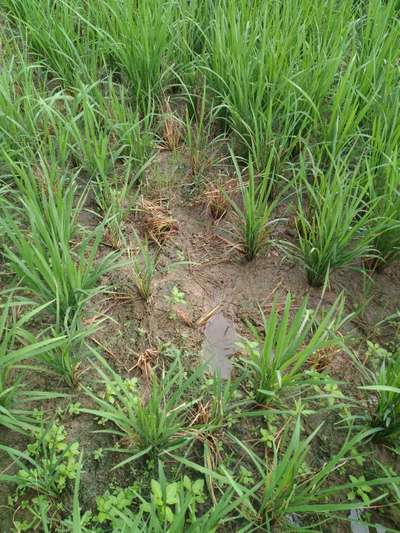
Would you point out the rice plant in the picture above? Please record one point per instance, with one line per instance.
(284, 490)
(384, 192)
(383, 389)
(58, 36)
(220, 404)
(276, 358)
(92, 139)
(65, 359)
(17, 121)
(301, 102)
(144, 266)
(17, 347)
(152, 426)
(131, 132)
(43, 256)
(274, 92)
(200, 141)
(115, 202)
(286, 485)
(79, 522)
(139, 38)
(253, 215)
(335, 225)
(114, 148)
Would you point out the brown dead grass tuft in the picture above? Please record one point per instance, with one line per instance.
(146, 361)
(158, 221)
(216, 197)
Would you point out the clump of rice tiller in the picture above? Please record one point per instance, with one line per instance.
(158, 221)
(172, 127)
(113, 236)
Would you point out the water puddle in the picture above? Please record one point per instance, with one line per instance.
(219, 344)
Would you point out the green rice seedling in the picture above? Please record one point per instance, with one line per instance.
(139, 38)
(92, 139)
(150, 426)
(384, 193)
(53, 148)
(79, 522)
(20, 93)
(16, 345)
(44, 258)
(221, 403)
(47, 464)
(144, 267)
(335, 223)
(288, 485)
(117, 200)
(132, 132)
(34, 121)
(383, 383)
(253, 217)
(359, 97)
(18, 420)
(347, 112)
(114, 219)
(275, 360)
(376, 70)
(285, 489)
(113, 154)
(19, 351)
(65, 359)
(272, 90)
(232, 43)
(115, 203)
(200, 141)
(57, 35)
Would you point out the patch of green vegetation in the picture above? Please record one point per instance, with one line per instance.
(297, 110)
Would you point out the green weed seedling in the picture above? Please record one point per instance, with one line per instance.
(46, 465)
(49, 517)
(112, 504)
(170, 499)
(175, 298)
